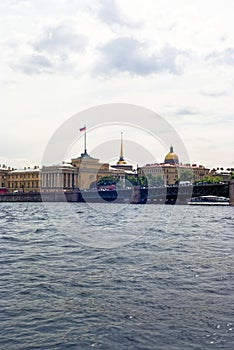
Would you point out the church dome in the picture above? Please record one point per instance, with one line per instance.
(171, 157)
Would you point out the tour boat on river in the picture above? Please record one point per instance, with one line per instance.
(209, 200)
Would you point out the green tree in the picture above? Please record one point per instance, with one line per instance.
(231, 176)
(149, 178)
(107, 180)
(186, 175)
(211, 179)
(142, 181)
(156, 181)
(132, 179)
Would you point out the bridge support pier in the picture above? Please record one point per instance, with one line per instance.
(231, 192)
(136, 195)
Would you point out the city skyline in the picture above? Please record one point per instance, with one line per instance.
(62, 57)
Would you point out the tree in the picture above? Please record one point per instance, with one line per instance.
(156, 181)
(186, 175)
(150, 180)
(142, 181)
(231, 176)
(107, 180)
(211, 179)
(132, 179)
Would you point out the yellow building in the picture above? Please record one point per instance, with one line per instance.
(58, 177)
(3, 175)
(84, 172)
(89, 170)
(81, 173)
(171, 170)
(24, 180)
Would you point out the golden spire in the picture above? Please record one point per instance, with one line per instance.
(121, 157)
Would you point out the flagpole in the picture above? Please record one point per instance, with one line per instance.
(85, 149)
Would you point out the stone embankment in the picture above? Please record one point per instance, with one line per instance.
(231, 192)
(134, 195)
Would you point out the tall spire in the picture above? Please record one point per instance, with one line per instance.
(121, 157)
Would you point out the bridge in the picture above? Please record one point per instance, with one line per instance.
(154, 195)
(179, 194)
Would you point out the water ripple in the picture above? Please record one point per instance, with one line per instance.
(171, 288)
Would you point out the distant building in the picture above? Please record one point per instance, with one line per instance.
(81, 173)
(58, 177)
(223, 174)
(24, 180)
(88, 170)
(3, 175)
(171, 170)
(84, 172)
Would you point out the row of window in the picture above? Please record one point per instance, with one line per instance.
(23, 176)
(25, 184)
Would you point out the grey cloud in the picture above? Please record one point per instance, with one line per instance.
(9, 82)
(59, 39)
(225, 56)
(110, 13)
(186, 111)
(213, 93)
(34, 64)
(52, 51)
(129, 55)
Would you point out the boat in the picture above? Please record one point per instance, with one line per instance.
(209, 200)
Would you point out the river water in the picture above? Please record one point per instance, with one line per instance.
(106, 276)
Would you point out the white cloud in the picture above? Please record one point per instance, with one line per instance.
(59, 39)
(225, 56)
(187, 111)
(213, 93)
(34, 64)
(59, 48)
(109, 12)
(128, 55)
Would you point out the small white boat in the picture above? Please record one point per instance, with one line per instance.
(209, 200)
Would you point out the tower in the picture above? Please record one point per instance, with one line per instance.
(121, 157)
(121, 164)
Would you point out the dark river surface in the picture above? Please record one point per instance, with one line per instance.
(115, 276)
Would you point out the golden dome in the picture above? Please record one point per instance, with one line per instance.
(171, 157)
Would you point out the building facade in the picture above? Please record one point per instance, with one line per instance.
(84, 172)
(3, 175)
(171, 170)
(223, 174)
(89, 170)
(56, 178)
(24, 180)
(81, 173)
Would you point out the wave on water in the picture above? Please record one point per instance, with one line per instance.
(136, 277)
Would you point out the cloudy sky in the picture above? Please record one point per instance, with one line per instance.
(59, 57)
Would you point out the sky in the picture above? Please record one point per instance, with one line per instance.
(61, 57)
